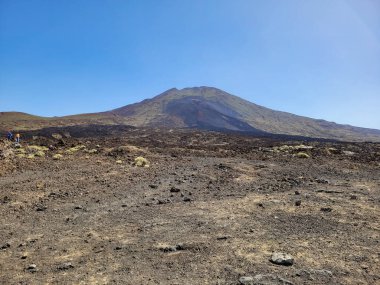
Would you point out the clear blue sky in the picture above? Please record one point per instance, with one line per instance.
(318, 58)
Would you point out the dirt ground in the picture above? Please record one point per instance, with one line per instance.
(208, 208)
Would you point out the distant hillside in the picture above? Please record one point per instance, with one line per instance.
(23, 121)
(200, 108)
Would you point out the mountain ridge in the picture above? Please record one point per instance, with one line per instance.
(203, 107)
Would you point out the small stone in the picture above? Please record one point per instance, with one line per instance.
(246, 280)
(324, 272)
(163, 201)
(298, 203)
(281, 258)
(354, 197)
(32, 268)
(175, 190)
(5, 246)
(168, 249)
(186, 199)
(41, 208)
(322, 181)
(312, 273)
(65, 266)
(326, 209)
(297, 193)
(222, 237)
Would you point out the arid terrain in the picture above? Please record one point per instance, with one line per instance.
(193, 208)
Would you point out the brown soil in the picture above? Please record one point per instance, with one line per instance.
(209, 209)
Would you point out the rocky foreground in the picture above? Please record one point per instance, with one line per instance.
(154, 207)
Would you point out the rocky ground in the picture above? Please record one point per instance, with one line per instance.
(194, 208)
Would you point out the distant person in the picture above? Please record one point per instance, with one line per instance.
(10, 136)
(17, 138)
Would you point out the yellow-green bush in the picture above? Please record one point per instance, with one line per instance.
(57, 156)
(20, 151)
(75, 149)
(36, 148)
(40, 153)
(141, 162)
(303, 155)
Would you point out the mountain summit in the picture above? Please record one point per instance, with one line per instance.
(199, 107)
(204, 108)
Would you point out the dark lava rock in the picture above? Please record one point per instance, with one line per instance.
(65, 266)
(168, 249)
(6, 200)
(175, 190)
(5, 246)
(163, 201)
(153, 186)
(187, 199)
(32, 268)
(298, 203)
(174, 248)
(311, 274)
(326, 209)
(322, 181)
(222, 237)
(281, 258)
(180, 246)
(41, 208)
(297, 193)
(354, 197)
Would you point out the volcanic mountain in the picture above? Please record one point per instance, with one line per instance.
(213, 109)
(201, 108)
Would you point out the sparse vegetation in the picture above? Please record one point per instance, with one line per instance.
(40, 153)
(75, 149)
(141, 162)
(302, 155)
(36, 148)
(57, 156)
(57, 136)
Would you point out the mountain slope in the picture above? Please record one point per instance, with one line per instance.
(211, 108)
(202, 108)
(23, 121)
